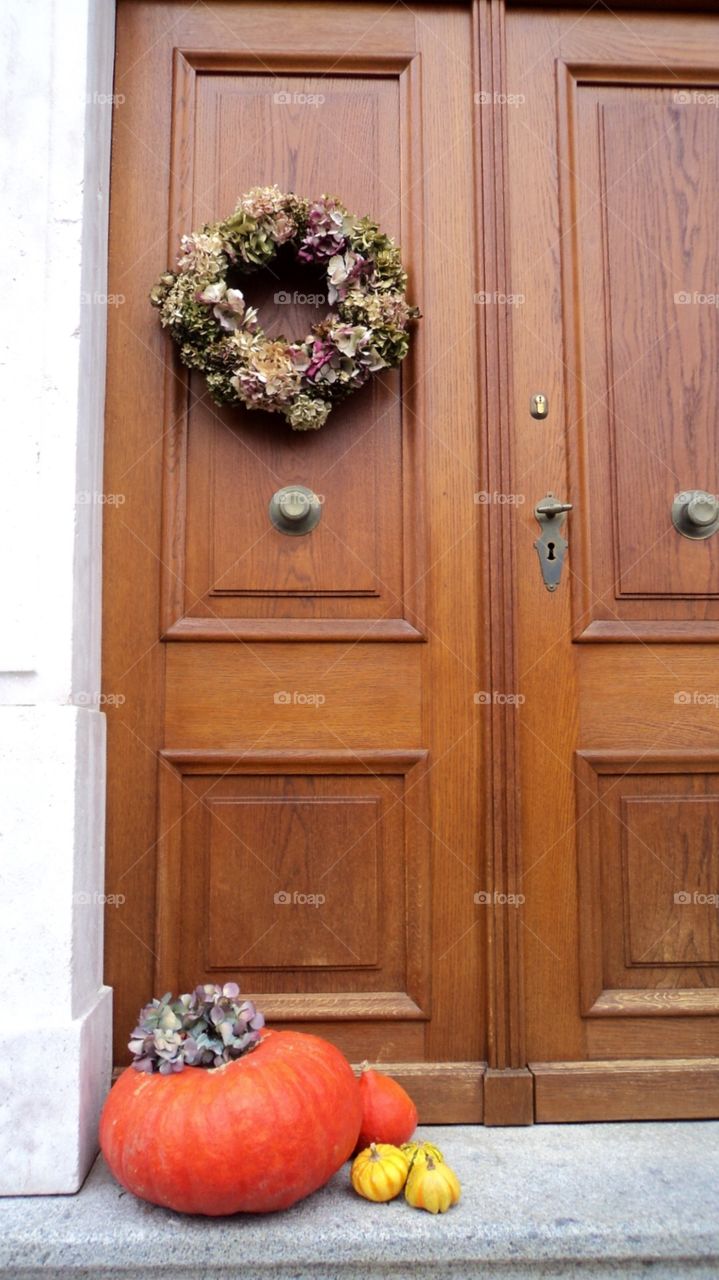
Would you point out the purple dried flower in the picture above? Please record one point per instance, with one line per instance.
(320, 354)
(345, 270)
(207, 1027)
(328, 226)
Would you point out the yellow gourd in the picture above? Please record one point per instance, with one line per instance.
(418, 1151)
(379, 1172)
(433, 1186)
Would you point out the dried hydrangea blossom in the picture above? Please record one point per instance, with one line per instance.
(203, 1028)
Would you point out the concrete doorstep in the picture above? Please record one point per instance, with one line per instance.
(589, 1200)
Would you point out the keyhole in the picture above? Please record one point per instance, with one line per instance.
(550, 551)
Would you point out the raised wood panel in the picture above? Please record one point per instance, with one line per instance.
(642, 344)
(670, 855)
(298, 858)
(444, 1093)
(303, 878)
(659, 173)
(226, 571)
(651, 1037)
(283, 694)
(648, 854)
(685, 1089)
(640, 695)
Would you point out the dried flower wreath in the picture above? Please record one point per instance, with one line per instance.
(218, 333)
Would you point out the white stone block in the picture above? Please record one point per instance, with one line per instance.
(53, 1080)
(55, 1049)
(57, 64)
(55, 1012)
(51, 853)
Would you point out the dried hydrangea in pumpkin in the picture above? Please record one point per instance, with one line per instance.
(205, 1028)
(220, 1115)
(380, 1172)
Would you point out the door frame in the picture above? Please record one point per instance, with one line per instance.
(507, 1084)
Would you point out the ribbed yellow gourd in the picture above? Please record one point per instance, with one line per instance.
(379, 1172)
(433, 1186)
(420, 1150)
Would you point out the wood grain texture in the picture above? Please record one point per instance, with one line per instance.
(660, 1002)
(331, 861)
(258, 694)
(651, 1037)
(229, 566)
(647, 842)
(508, 1096)
(641, 344)
(248, 660)
(618, 215)
(513, 807)
(547, 721)
(498, 658)
(685, 1089)
(444, 1093)
(321, 630)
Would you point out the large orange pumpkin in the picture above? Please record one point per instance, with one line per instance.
(251, 1136)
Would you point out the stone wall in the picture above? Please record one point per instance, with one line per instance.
(54, 1009)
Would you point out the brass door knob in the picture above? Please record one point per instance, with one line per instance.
(695, 513)
(295, 509)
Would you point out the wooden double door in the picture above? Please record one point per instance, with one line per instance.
(383, 777)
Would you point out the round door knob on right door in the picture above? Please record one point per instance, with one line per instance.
(695, 513)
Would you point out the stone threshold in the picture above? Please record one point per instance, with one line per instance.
(594, 1200)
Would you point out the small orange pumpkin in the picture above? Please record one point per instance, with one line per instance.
(388, 1113)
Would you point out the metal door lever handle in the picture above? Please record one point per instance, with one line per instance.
(550, 507)
(550, 515)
